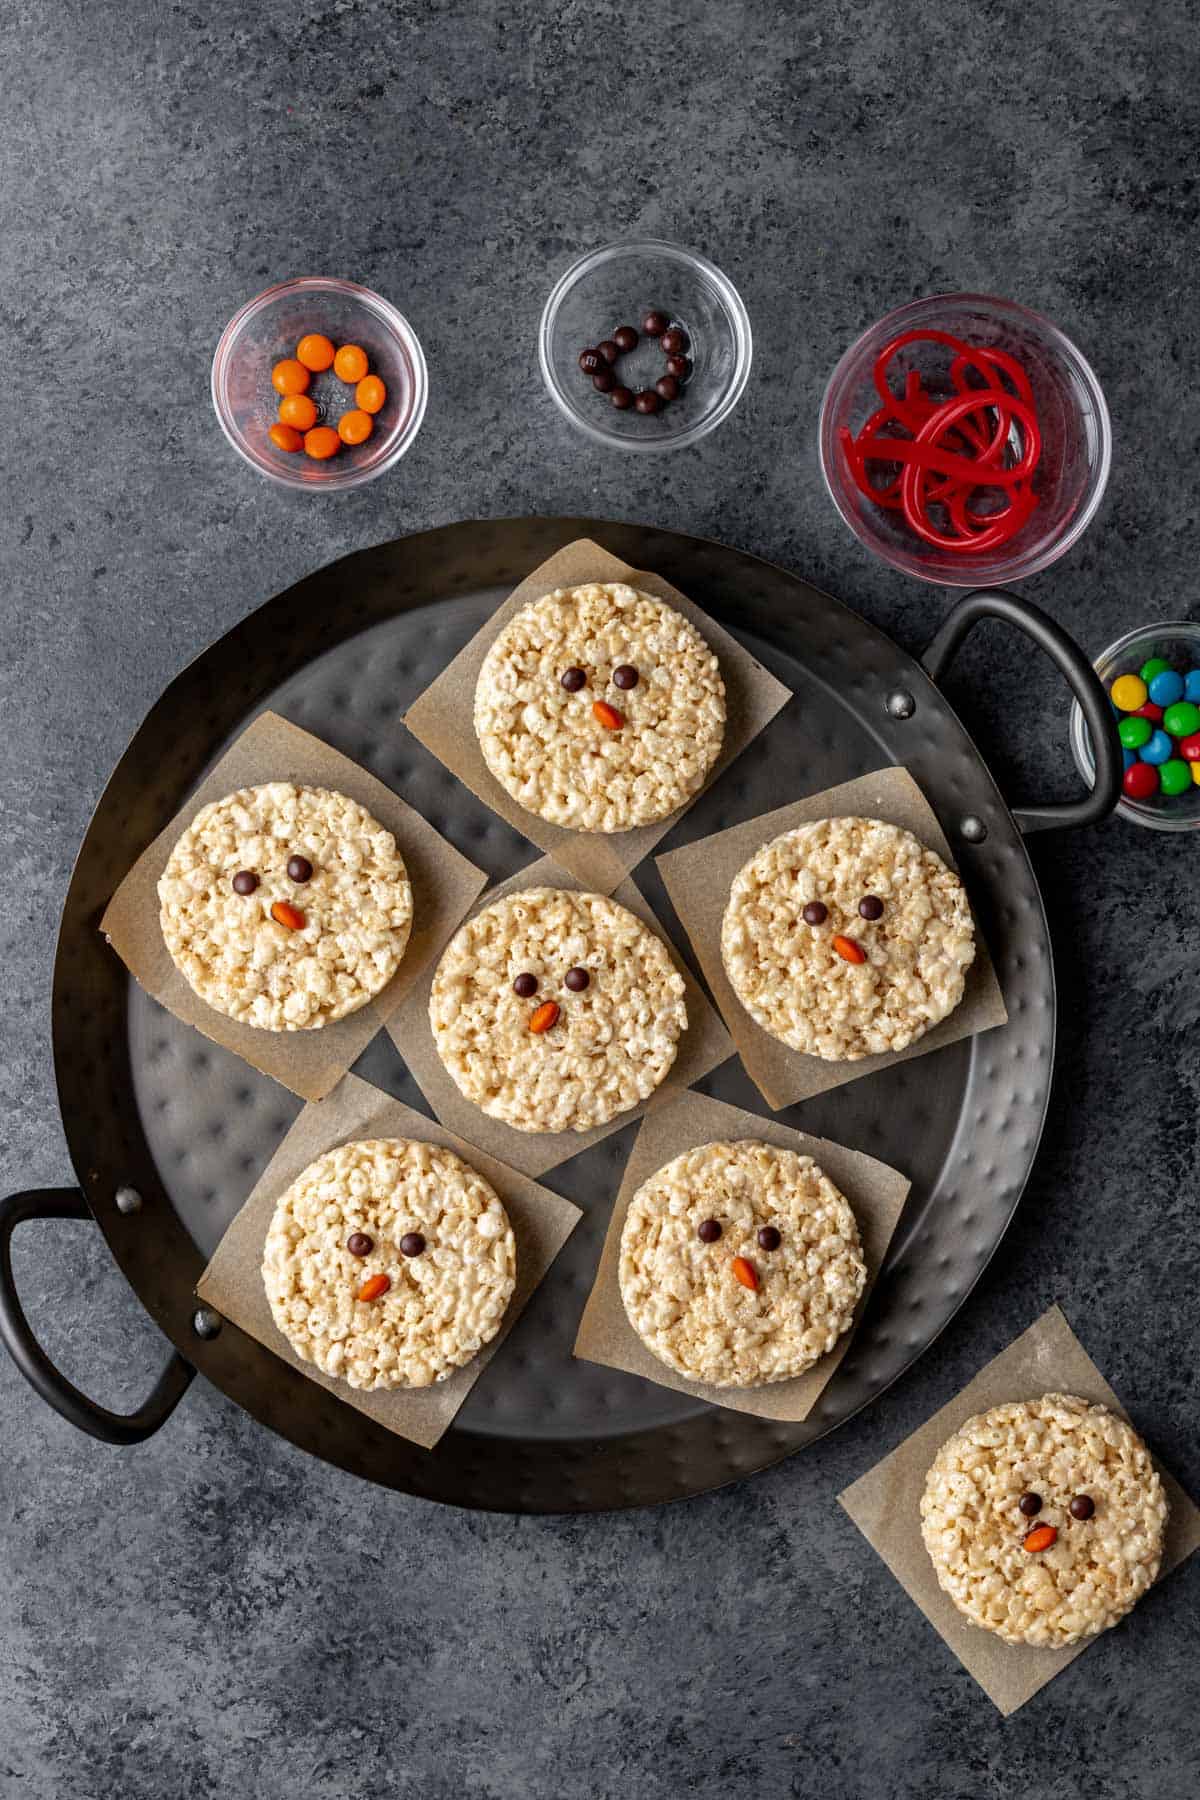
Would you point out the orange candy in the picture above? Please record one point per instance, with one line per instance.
(355, 427)
(285, 437)
(290, 377)
(1040, 1538)
(321, 442)
(608, 715)
(374, 1287)
(370, 394)
(298, 410)
(543, 1017)
(849, 951)
(350, 364)
(745, 1272)
(315, 351)
(284, 913)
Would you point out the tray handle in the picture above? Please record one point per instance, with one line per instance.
(1081, 678)
(35, 1365)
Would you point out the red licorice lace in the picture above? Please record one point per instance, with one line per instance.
(950, 449)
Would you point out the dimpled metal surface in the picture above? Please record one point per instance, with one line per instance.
(149, 1103)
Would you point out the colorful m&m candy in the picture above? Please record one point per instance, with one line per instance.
(1158, 723)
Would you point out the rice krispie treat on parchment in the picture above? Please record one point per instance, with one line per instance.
(1044, 1519)
(600, 708)
(555, 1011)
(847, 938)
(389, 1263)
(286, 907)
(740, 1264)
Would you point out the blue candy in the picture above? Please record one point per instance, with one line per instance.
(1166, 688)
(1160, 747)
(1130, 758)
(1191, 686)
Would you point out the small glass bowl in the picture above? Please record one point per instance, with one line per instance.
(1076, 435)
(268, 328)
(1179, 644)
(619, 285)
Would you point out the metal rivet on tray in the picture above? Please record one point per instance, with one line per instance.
(128, 1200)
(901, 704)
(973, 829)
(205, 1322)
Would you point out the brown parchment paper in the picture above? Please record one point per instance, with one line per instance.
(699, 876)
(443, 882)
(442, 717)
(703, 1046)
(885, 1504)
(232, 1283)
(875, 1191)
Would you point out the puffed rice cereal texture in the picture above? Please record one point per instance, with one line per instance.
(242, 962)
(791, 979)
(611, 1045)
(442, 1306)
(680, 1292)
(544, 744)
(1057, 1447)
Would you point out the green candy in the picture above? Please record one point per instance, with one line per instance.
(1135, 731)
(1154, 667)
(1182, 719)
(1174, 777)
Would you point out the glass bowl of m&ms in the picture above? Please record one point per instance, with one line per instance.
(1152, 677)
(319, 384)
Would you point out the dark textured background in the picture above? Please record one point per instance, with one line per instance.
(214, 1614)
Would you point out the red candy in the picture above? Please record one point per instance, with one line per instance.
(1141, 780)
(1189, 747)
(1149, 711)
(952, 447)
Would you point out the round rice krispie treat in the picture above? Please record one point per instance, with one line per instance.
(554, 1011)
(847, 938)
(740, 1264)
(600, 708)
(285, 907)
(1044, 1519)
(389, 1263)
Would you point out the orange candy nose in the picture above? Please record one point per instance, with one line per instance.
(291, 916)
(1041, 1537)
(745, 1272)
(373, 1287)
(608, 715)
(544, 1016)
(849, 951)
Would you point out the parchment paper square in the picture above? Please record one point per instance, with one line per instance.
(885, 1505)
(443, 716)
(699, 876)
(875, 1191)
(541, 1221)
(704, 1045)
(443, 882)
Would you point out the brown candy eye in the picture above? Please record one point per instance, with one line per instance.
(573, 680)
(1030, 1505)
(814, 913)
(1082, 1506)
(625, 676)
(412, 1243)
(708, 1231)
(245, 881)
(525, 986)
(576, 980)
(359, 1244)
(871, 907)
(299, 869)
(768, 1238)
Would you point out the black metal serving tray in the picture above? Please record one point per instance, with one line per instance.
(168, 1132)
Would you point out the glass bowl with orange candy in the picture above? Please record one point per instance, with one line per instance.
(319, 383)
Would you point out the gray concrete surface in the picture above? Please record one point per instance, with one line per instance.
(214, 1614)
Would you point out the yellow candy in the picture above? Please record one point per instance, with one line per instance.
(1129, 692)
(1195, 768)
